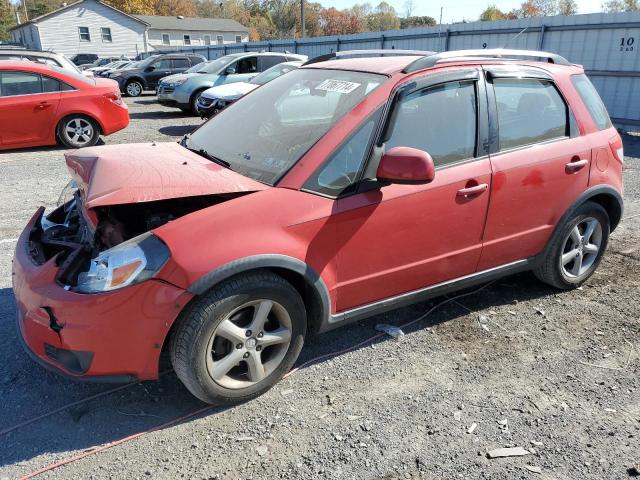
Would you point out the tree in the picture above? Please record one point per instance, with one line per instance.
(415, 22)
(7, 19)
(613, 6)
(383, 18)
(567, 7)
(492, 13)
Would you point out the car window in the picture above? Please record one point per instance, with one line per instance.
(439, 120)
(164, 64)
(272, 73)
(247, 65)
(269, 61)
(592, 101)
(196, 60)
(343, 167)
(180, 63)
(529, 111)
(19, 83)
(50, 84)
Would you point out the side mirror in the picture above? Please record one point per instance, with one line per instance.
(406, 165)
(230, 70)
(150, 68)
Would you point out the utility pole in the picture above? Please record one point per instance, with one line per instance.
(302, 29)
(26, 14)
(440, 31)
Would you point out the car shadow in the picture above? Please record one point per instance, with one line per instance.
(46, 148)
(28, 390)
(177, 130)
(157, 115)
(631, 145)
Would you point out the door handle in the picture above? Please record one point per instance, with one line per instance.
(471, 191)
(43, 105)
(575, 165)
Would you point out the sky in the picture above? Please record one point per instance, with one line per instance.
(455, 10)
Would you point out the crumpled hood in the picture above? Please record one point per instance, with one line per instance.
(133, 173)
(230, 91)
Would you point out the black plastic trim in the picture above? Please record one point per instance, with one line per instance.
(255, 262)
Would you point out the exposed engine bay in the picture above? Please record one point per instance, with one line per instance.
(74, 236)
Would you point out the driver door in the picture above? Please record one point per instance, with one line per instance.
(243, 70)
(401, 238)
(161, 68)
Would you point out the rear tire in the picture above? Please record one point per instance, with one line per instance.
(78, 131)
(576, 250)
(236, 341)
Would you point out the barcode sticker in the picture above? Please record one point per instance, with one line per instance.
(340, 86)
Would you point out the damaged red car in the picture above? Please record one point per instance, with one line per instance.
(359, 183)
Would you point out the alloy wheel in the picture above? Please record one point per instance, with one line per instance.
(581, 247)
(249, 344)
(79, 131)
(134, 89)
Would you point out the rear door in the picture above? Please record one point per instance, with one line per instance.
(540, 163)
(179, 65)
(28, 103)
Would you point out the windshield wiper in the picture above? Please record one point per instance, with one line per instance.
(203, 153)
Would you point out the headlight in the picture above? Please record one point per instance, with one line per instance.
(175, 83)
(133, 261)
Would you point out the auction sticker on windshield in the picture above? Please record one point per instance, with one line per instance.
(340, 86)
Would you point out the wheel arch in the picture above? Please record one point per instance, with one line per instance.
(137, 79)
(80, 113)
(303, 277)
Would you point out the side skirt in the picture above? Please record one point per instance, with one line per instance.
(423, 294)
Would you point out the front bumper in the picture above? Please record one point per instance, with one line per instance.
(173, 96)
(112, 336)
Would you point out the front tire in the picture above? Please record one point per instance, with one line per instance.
(194, 102)
(78, 131)
(576, 251)
(133, 88)
(237, 341)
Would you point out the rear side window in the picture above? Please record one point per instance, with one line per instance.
(529, 111)
(439, 120)
(269, 61)
(592, 101)
(19, 83)
(196, 60)
(180, 63)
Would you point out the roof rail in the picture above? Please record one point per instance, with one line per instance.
(431, 60)
(368, 53)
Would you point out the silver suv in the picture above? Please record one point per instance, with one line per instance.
(49, 58)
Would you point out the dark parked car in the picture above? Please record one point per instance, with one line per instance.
(83, 58)
(147, 74)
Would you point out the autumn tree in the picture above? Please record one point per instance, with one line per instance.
(492, 13)
(384, 17)
(613, 6)
(567, 7)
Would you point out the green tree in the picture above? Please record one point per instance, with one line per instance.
(415, 22)
(567, 7)
(383, 18)
(7, 19)
(613, 6)
(492, 13)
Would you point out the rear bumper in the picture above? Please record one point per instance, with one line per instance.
(112, 336)
(115, 118)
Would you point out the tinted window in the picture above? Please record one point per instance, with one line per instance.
(164, 64)
(440, 120)
(342, 169)
(18, 83)
(247, 65)
(181, 63)
(529, 111)
(592, 101)
(196, 60)
(50, 84)
(270, 61)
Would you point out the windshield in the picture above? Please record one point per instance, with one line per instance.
(147, 61)
(212, 66)
(263, 135)
(272, 73)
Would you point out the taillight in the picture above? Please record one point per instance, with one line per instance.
(617, 148)
(114, 97)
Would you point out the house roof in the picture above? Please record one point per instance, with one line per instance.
(71, 5)
(192, 23)
(157, 22)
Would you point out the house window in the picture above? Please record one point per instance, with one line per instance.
(187, 39)
(220, 39)
(84, 34)
(165, 39)
(238, 38)
(207, 39)
(106, 34)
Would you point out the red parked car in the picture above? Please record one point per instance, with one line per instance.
(43, 104)
(346, 188)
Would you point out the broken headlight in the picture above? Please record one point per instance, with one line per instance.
(133, 261)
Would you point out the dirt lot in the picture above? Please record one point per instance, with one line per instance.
(525, 375)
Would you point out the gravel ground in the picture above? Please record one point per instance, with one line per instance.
(523, 374)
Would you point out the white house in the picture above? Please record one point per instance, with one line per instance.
(91, 26)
